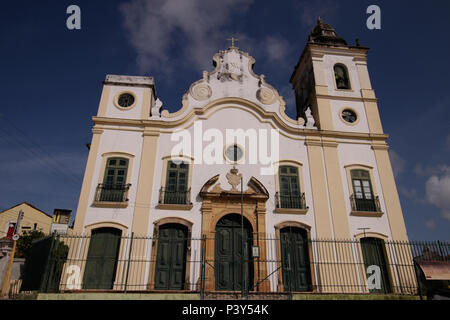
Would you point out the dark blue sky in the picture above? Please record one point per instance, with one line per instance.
(52, 79)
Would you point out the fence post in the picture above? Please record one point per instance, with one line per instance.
(202, 269)
(129, 260)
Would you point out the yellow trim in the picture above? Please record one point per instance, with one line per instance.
(291, 211)
(373, 117)
(103, 106)
(184, 107)
(87, 182)
(180, 207)
(145, 184)
(390, 194)
(335, 189)
(228, 102)
(146, 104)
(319, 188)
(116, 100)
(106, 224)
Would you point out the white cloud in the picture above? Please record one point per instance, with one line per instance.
(276, 48)
(430, 224)
(426, 171)
(409, 193)
(438, 192)
(156, 27)
(310, 11)
(397, 162)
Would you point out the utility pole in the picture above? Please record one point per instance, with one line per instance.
(15, 237)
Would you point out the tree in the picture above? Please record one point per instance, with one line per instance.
(23, 245)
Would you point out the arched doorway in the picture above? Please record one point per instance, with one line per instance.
(101, 263)
(295, 259)
(233, 263)
(171, 257)
(374, 258)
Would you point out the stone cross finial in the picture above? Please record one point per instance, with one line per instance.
(232, 39)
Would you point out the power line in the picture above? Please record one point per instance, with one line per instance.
(54, 165)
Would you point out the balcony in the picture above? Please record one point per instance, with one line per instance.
(174, 200)
(111, 195)
(366, 207)
(291, 204)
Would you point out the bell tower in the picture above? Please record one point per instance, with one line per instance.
(332, 79)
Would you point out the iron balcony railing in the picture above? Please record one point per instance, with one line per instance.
(174, 197)
(369, 205)
(290, 201)
(107, 192)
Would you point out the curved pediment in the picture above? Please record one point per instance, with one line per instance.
(233, 78)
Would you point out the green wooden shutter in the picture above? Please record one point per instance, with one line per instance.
(289, 187)
(176, 183)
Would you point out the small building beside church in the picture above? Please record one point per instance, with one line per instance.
(33, 219)
(231, 167)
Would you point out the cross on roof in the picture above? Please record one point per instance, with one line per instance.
(232, 39)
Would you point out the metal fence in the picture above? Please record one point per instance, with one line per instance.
(282, 263)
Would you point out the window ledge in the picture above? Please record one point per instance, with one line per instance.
(291, 211)
(168, 206)
(375, 214)
(107, 204)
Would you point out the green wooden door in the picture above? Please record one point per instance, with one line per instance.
(101, 264)
(295, 260)
(171, 257)
(373, 255)
(228, 268)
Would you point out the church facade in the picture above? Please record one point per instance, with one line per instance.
(231, 167)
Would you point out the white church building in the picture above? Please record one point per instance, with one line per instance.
(232, 168)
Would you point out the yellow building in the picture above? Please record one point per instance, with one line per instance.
(33, 219)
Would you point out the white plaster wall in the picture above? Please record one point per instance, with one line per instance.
(362, 154)
(233, 118)
(131, 113)
(116, 141)
(339, 125)
(329, 61)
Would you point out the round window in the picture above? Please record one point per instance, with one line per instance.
(125, 100)
(349, 115)
(234, 153)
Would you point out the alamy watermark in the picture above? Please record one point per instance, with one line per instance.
(374, 20)
(74, 20)
(259, 146)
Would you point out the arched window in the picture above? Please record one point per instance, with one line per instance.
(341, 77)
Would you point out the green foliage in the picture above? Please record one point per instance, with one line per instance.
(23, 245)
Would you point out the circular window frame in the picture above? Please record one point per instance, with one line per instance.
(228, 160)
(116, 100)
(358, 118)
